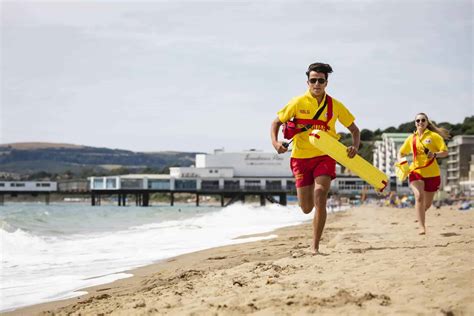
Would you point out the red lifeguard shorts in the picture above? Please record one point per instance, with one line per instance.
(306, 169)
(431, 184)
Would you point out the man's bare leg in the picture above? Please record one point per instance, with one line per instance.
(321, 189)
(305, 198)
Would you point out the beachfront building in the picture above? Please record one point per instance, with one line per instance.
(385, 156)
(467, 186)
(14, 188)
(218, 171)
(461, 151)
(27, 186)
(386, 151)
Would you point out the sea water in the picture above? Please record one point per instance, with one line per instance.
(50, 252)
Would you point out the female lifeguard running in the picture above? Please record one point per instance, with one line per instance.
(425, 144)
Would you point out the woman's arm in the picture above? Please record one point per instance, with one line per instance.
(439, 154)
(400, 156)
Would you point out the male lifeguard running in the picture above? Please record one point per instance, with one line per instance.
(312, 169)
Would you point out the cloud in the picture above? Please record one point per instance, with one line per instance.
(127, 74)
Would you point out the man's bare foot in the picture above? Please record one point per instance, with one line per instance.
(317, 252)
(422, 231)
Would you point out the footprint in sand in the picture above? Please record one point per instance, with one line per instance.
(449, 234)
(217, 258)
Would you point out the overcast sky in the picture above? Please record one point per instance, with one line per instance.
(200, 75)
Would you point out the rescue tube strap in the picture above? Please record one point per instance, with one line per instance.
(415, 153)
(315, 120)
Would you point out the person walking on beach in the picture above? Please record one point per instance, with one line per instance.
(426, 144)
(313, 170)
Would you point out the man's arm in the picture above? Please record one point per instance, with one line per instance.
(352, 150)
(274, 136)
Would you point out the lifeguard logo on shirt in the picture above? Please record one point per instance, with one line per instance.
(427, 141)
(320, 127)
(304, 111)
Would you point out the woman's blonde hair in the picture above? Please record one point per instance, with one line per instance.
(432, 127)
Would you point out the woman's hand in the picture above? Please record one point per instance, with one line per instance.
(431, 155)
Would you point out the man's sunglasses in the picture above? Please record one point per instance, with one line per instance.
(320, 80)
(420, 120)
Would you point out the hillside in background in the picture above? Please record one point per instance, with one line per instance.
(65, 161)
(53, 161)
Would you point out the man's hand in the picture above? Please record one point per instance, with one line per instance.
(351, 151)
(279, 147)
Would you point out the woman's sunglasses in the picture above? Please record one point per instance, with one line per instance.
(320, 80)
(420, 120)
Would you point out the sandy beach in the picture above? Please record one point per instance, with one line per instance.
(373, 263)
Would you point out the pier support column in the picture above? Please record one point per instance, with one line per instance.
(222, 200)
(46, 198)
(146, 199)
(124, 199)
(172, 199)
(119, 199)
(262, 200)
(283, 199)
(93, 199)
(242, 198)
(197, 199)
(2, 199)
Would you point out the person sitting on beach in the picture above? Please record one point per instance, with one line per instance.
(426, 144)
(465, 205)
(314, 170)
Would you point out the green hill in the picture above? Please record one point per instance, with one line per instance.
(50, 160)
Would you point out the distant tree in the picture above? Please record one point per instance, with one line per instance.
(87, 172)
(366, 134)
(406, 127)
(390, 129)
(468, 125)
(41, 175)
(346, 138)
(377, 134)
(366, 150)
(150, 170)
(119, 171)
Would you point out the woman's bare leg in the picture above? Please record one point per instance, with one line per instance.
(418, 188)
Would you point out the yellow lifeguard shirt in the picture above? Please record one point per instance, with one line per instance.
(431, 140)
(305, 107)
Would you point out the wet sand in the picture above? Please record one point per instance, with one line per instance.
(373, 263)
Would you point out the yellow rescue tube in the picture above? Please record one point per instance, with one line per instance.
(358, 165)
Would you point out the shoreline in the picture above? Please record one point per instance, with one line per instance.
(375, 263)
